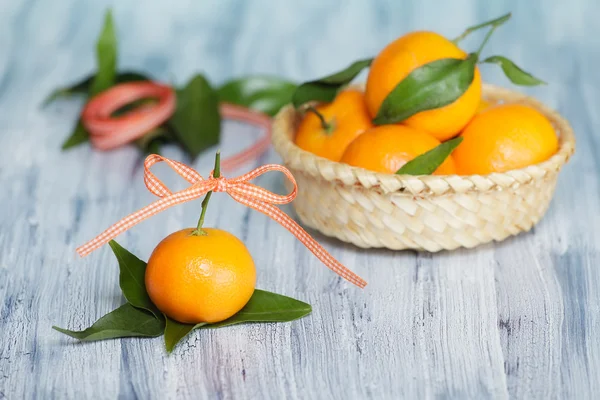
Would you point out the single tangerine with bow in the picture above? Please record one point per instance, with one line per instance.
(207, 275)
(203, 274)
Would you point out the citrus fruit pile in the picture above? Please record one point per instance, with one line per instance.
(423, 91)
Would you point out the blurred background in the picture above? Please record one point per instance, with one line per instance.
(46, 43)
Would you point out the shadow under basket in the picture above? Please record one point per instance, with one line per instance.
(433, 213)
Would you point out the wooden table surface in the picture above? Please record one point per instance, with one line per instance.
(518, 318)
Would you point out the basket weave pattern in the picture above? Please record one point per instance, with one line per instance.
(430, 213)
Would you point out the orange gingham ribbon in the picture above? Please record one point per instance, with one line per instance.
(239, 188)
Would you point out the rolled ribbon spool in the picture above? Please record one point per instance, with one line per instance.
(108, 132)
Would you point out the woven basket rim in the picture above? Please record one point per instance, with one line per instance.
(284, 125)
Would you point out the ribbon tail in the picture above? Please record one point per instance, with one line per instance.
(139, 216)
(288, 223)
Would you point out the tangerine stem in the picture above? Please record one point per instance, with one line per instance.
(327, 127)
(216, 174)
(495, 22)
(485, 40)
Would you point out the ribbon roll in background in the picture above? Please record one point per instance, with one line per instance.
(109, 132)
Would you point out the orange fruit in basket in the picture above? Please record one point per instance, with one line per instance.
(347, 117)
(195, 279)
(505, 137)
(387, 148)
(404, 55)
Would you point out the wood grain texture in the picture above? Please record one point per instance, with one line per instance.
(517, 319)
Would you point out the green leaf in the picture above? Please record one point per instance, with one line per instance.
(261, 93)
(133, 105)
(125, 321)
(430, 86)
(263, 307)
(428, 162)
(513, 72)
(79, 136)
(494, 23)
(196, 121)
(106, 57)
(132, 277)
(267, 307)
(175, 331)
(325, 89)
(152, 147)
(80, 87)
(152, 141)
(132, 76)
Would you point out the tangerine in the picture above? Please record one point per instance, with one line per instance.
(204, 278)
(484, 105)
(387, 148)
(404, 55)
(505, 137)
(347, 117)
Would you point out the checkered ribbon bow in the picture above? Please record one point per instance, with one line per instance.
(239, 188)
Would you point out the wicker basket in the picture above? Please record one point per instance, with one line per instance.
(430, 213)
